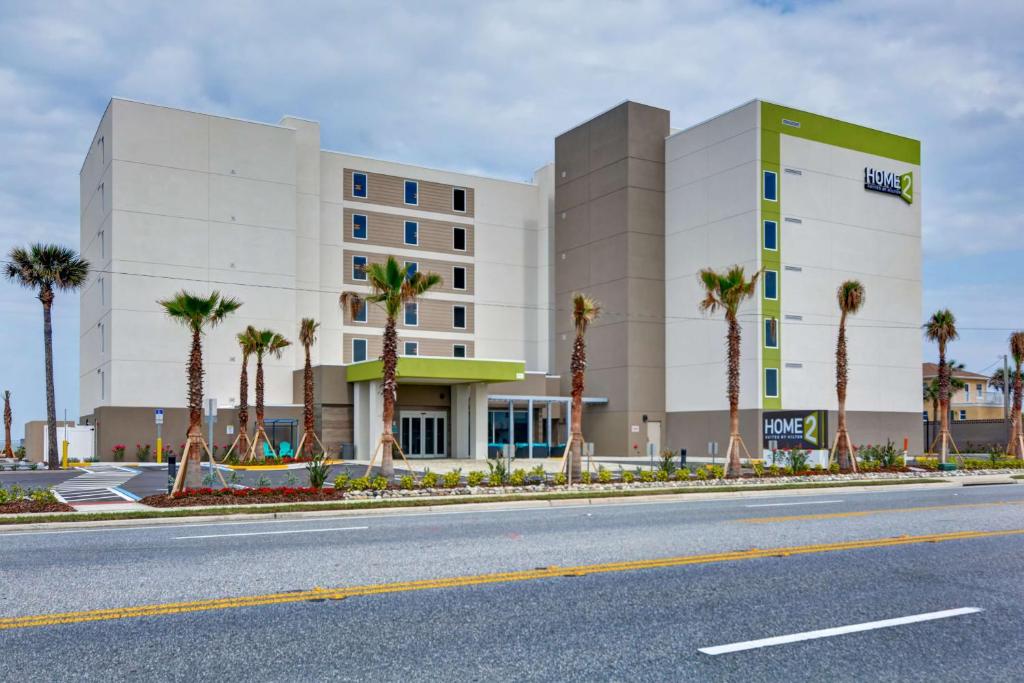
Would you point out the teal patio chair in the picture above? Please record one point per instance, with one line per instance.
(268, 452)
(285, 450)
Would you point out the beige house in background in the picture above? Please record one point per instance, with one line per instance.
(974, 402)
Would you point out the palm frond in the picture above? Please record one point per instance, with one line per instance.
(307, 331)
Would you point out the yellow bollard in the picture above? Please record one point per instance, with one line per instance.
(64, 454)
(159, 450)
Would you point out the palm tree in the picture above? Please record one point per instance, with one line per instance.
(930, 391)
(268, 343)
(941, 329)
(307, 337)
(392, 287)
(247, 341)
(584, 311)
(8, 451)
(850, 296)
(48, 268)
(196, 313)
(1016, 445)
(728, 291)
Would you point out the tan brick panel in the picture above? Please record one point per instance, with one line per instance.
(443, 268)
(387, 230)
(389, 190)
(427, 347)
(434, 316)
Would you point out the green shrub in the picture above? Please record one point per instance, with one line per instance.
(33, 466)
(682, 474)
(879, 456)
(497, 472)
(406, 482)
(667, 464)
(702, 474)
(379, 483)
(627, 477)
(318, 469)
(833, 467)
(585, 477)
(661, 475)
(43, 496)
(538, 475)
(775, 470)
(559, 479)
(758, 466)
(5, 496)
(359, 484)
(603, 475)
(453, 478)
(475, 478)
(428, 480)
(646, 476)
(715, 471)
(341, 482)
(517, 478)
(797, 460)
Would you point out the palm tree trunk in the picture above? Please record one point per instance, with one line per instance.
(389, 387)
(578, 367)
(943, 403)
(243, 407)
(307, 408)
(193, 470)
(260, 409)
(52, 460)
(846, 459)
(1014, 447)
(8, 452)
(733, 468)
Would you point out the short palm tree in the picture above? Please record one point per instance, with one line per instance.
(8, 451)
(941, 329)
(850, 297)
(48, 268)
(392, 287)
(584, 311)
(727, 291)
(247, 342)
(273, 344)
(196, 313)
(1016, 445)
(307, 337)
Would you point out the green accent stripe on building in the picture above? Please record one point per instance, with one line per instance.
(771, 260)
(453, 369)
(839, 133)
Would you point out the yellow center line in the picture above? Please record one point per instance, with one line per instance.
(475, 580)
(865, 513)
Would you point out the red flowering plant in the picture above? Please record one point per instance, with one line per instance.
(118, 452)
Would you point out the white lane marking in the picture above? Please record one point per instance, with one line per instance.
(806, 502)
(838, 631)
(269, 533)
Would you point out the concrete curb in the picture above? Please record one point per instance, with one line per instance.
(462, 507)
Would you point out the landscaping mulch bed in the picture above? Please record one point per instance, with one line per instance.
(23, 506)
(228, 496)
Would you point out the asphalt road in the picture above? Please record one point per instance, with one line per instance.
(611, 623)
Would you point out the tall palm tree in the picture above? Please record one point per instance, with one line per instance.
(307, 337)
(247, 342)
(268, 343)
(391, 287)
(941, 329)
(196, 313)
(584, 311)
(48, 268)
(727, 291)
(1016, 445)
(930, 391)
(8, 451)
(850, 297)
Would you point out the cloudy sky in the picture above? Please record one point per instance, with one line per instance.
(484, 87)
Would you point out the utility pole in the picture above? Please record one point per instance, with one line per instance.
(1006, 395)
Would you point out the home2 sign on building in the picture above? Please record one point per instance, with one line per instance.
(890, 183)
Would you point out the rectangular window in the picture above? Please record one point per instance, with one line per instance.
(771, 186)
(459, 350)
(103, 338)
(771, 382)
(359, 185)
(459, 199)
(459, 317)
(459, 239)
(963, 414)
(771, 235)
(771, 333)
(103, 385)
(967, 393)
(358, 267)
(358, 350)
(412, 192)
(101, 144)
(360, 316)
(102, 189)
(103, 244)
(412, 233)
(358, 226)
(412, 348)
(412, 315)
(979, 390)
(771, 284)
(103, 293)
(458, 277)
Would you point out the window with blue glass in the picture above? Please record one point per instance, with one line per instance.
(771, 382)
(412, 192)
(771, 333)
(358, 267)
(412, 348)
(771, 284)
(459, 317)
(412, 233)
(771, 235)
(771, 186)
(412, 315)
(459, 350)
(360, 316)
(410, 268)
(359, 226)
(358, 350)
(359, 185)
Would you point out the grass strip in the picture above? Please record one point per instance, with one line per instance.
(428, 502)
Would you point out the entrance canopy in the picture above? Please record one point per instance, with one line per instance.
(448, 370)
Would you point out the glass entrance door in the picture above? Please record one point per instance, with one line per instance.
(423, 434)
